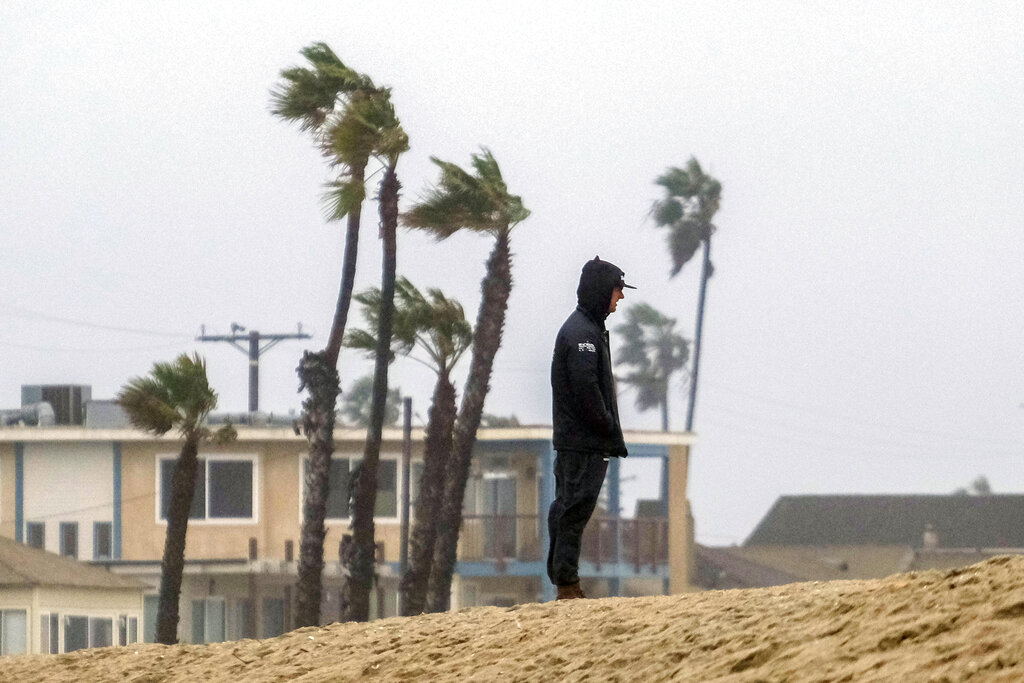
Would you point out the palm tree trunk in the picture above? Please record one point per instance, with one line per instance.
(183, 487)
(348, 277)
(321, 377)
(497, 285)
(705, 273)
(319, 372)
(437, 447)
(361, 562)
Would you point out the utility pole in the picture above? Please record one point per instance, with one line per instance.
(403, 547)
(253, 351)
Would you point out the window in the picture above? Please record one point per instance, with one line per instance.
(273, 617)
(35, 535)
(49, 634)
(69, 539)
(240, 624)
(76, 633)
(340, 482)
(13, 631)
(101, 632)
(150, 605)
(127, 630)
(223, 488)
(208, 620)
(102, 540)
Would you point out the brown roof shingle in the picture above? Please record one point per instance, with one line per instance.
(21, 565)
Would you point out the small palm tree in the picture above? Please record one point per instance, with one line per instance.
(692, 200)
(178, 396)
(479, 202)
(436, 326)
(653, 351)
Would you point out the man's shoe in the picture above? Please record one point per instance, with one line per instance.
(570, 592)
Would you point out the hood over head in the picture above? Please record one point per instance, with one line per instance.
(597, 282)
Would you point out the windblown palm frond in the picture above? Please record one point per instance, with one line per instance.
(653, 351)
(434, 323)
(692, 199)
(460, 200)
(176, 394)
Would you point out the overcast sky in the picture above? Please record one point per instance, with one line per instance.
(864, 330)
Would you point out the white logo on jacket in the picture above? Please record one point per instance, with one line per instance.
(587, 346)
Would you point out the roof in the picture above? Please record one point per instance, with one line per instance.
(961, 521)
(724, 568)
(274, 433)
(22, 566)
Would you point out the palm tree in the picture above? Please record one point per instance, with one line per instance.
(437, 327)
(482, 203)
(329, 101)
(692, 201)
(377, 113)
(653, 351)
(443, 334)
(174, 395)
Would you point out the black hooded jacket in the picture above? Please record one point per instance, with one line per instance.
(585, 415)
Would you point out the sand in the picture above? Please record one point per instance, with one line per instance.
(949, 625)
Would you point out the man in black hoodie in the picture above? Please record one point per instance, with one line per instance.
(585, 416)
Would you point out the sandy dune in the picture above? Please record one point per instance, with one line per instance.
(925, 626)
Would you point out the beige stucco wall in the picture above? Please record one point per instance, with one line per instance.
(680, 543)
(278, 503)
(7, 490)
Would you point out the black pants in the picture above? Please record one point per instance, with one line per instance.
(578, 481)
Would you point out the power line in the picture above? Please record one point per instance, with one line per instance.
(25, 314)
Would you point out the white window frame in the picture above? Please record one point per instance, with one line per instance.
(205, 458)
(352, 458)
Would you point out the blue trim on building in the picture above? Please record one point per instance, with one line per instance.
(19, 492)
(115, 551)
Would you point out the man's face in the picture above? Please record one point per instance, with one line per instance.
(617, 296)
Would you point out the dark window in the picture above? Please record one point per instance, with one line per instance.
(69, 539)
(387, 489)
(101, 632)
(150, 604)
(273, 617)
(230, 488)
(49, 633)
(198, 509)
(35, 535)
(339, 481)
(103, 540)
(76, 633)
(229, 483)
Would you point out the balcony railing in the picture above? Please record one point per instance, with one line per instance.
(642, 543)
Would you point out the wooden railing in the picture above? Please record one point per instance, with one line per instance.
(642, 543)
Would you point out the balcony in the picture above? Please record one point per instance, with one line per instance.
(502, 539)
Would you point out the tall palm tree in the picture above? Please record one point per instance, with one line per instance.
(692, 200)
(377, 113)
(653, 351)
(479, 202)
(175, 395)
(328, 100)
